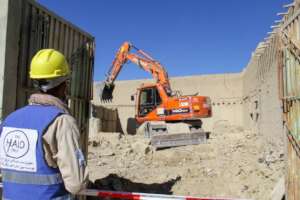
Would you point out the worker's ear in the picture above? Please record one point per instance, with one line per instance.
(132, 97)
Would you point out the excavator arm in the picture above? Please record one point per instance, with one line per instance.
(140, 58)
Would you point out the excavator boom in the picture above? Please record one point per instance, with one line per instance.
(140, 58)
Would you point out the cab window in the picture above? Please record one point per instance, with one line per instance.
(149, 100)
(146, 97)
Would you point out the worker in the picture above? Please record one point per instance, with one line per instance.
(40, 155)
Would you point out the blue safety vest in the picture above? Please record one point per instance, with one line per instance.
(45, 182)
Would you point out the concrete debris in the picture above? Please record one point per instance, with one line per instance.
(142, 147)
(100, 163)
(106, 152)
(278, 192)
(261, 160)
(245, 187)
(95, 143)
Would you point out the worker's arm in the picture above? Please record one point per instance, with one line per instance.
(66, 154)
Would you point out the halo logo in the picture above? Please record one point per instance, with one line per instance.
(16, 144)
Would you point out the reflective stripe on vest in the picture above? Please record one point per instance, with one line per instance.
(35, 179)
(65, 197)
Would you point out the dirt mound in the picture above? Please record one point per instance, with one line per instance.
(234, 163)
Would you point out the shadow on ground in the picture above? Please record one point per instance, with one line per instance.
(115, 183)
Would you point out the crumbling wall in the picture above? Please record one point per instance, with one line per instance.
(262, 110)
(225, 91)
(105, 119)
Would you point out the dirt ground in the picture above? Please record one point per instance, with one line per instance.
(234, 163)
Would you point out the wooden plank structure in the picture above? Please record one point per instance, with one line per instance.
(34, 27)
(28, 27)
(289, 79)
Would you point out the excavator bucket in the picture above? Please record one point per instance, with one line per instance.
(105, 91)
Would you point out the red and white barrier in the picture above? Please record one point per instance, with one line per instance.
(145, 196)
(142, 196)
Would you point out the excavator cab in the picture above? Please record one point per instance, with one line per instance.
(149, 99)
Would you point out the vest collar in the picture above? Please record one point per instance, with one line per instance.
(46, 99)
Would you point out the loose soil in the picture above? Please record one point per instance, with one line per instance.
(234, 163)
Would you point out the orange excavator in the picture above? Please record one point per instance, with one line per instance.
(164, 115)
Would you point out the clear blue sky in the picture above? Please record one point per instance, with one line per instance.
(188, 37)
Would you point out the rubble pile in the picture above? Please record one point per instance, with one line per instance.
(234, 163)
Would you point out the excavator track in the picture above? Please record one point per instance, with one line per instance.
(163, 134)
(179, 139)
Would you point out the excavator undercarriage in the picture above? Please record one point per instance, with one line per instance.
(163, 134)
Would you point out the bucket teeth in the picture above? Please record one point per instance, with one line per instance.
(105, 91)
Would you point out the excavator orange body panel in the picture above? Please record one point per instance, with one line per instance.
(169, 108)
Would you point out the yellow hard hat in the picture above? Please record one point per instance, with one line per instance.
(48, 64)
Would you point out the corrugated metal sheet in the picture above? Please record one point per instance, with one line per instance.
(41, 28)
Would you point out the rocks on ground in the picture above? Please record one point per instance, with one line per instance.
(234, 163)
